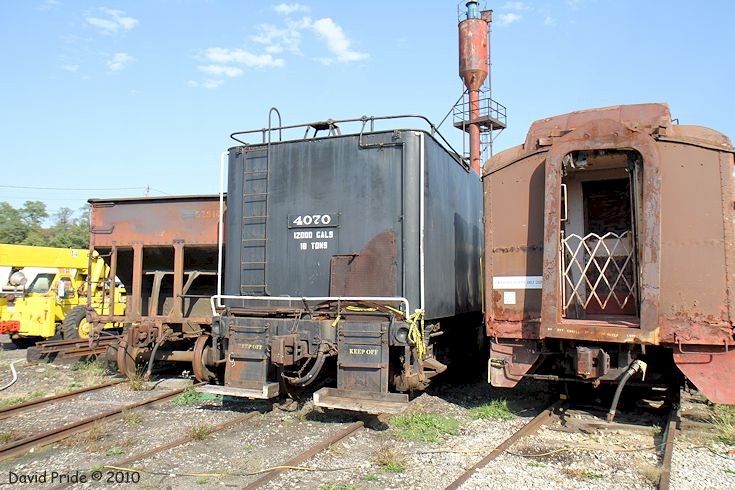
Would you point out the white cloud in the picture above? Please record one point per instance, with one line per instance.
(507, 19)
(70, 68)
(110, 21)
(208, 84)
(219, 70)
(119, 61)
(337, 41)
(289, 8)
(549, 21)
(243, 57)
(278, 39)
(514, 6)
(48, 5)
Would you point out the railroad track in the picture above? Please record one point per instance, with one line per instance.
(532, 426)
(39, 402)
(21, 446)
(548, 415)
(305, 455)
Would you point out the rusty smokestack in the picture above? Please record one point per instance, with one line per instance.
(473, 68)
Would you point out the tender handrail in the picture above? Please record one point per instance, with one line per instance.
(434, 130)
(215, 301)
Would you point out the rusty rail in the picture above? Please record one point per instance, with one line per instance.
(172, 444)
(76, 347)
(33, 404)
(21, 446)
(532, 426)
(665, 479)
(304, 456)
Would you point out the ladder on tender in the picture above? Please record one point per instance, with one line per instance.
(254, 223)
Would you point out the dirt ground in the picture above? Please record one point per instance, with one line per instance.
(382, 455)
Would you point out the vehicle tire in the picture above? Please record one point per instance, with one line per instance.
(75, 324)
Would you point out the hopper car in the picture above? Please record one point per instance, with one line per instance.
(164, 250)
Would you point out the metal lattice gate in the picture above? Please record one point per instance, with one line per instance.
(598, 273)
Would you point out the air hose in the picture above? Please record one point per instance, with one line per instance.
(634, 367)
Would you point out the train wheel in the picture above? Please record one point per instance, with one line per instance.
(198, 365)
(128, 355)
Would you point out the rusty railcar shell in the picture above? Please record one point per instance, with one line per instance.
(609, 237)
(336, 242)
(165, 251)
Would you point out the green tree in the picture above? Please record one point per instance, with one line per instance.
(12, 228)
(24, 225)
(68, 231)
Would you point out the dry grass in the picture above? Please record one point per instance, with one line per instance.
(199, 432)
(90, 440)
(390, 459)
(6, 437)
(137, 382)
(89, 373)
(650, 472)
(128, 442)
(132, 418)
(582, 474)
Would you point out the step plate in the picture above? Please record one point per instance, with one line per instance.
(269, 390)
(361, 401)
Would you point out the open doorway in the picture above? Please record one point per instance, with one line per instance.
(600, 195)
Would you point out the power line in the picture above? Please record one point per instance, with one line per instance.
(72, 188)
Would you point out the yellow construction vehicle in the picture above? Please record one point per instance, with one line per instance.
(56, 300)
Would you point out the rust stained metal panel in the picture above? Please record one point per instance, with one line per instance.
(646, 118)
(599, 134)
(514, 240)
(155, 221)
(694, 299)
(371, 272)
(707, 372)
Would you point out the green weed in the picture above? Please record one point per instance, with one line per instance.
(17, 400)
(723, 416)
(494, 409)
(190, 397)
(114, 451)
(424, 427)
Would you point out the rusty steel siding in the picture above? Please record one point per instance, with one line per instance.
(596, 135)
(155, 221)
(693, 253)
(514, 240)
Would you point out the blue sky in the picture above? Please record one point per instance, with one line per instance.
(116, 96)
